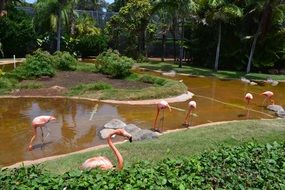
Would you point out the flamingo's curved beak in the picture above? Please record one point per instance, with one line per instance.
(128, 135)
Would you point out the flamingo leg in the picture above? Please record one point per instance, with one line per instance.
(186, 121)
(247, 108)
(42, 136)
(157, 113)
(265, 100)
(162, 120)
(191, 118)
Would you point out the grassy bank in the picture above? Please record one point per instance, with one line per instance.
(166, 66)
(161, 88)
(184, 143)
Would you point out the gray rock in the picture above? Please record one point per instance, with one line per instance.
(281, 114)
(144, 134)
(131, 128)
(115, 124)
(137, 133)
(275, 108)
(104, 133)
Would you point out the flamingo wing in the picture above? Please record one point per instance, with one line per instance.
(98, 162)
(40, 120)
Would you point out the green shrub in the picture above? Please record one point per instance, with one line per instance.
(40, 63)
(112, 63)
(166, 68)
(64, 61)
(250, 166)
(91, 45)
(152, 80)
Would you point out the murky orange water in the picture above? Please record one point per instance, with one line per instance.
(74, 129)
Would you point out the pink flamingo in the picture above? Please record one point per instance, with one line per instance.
(39, 121)
(103, 162)
(248, 97)
(160, 106)
(268, 97)
(191, 106)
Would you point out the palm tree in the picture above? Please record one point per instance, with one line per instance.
(50, 16)
(265, 21)
(219, 12)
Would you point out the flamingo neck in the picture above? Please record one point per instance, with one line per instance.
(117, 153)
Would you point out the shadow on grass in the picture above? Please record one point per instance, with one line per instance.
(168, 65)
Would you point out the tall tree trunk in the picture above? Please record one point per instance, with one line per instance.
(174, 22)
(163, 46)
(252, 49)
(58, 31)
(218, 48)
(72, 20)
(181, 46)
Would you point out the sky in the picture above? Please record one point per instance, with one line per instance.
(32, 1)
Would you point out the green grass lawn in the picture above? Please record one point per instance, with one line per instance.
(183, 143)
(157, 65)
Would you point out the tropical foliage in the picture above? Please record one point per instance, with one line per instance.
(17, 36)
(242, 167)
(218, 34)
(130, 25)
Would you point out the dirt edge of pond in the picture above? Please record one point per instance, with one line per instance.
(181, 98)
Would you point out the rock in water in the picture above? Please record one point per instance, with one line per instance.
(275, 108)
(115, 124)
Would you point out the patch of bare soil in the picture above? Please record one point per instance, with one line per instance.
(62, 81)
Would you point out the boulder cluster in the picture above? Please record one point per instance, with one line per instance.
(137, 133)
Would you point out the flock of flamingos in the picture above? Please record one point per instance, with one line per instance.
(103, 162)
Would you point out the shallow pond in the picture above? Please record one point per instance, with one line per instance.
(74, 129)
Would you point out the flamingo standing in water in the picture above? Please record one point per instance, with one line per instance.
(103, 162)
(39, 121)
(248, 97)
(160, 106)
(268, 97)
(191, 106)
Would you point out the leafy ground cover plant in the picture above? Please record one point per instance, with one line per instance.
(6, 84)
(1, 73)
(112, 63)
(247, 166)
(82, 88)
